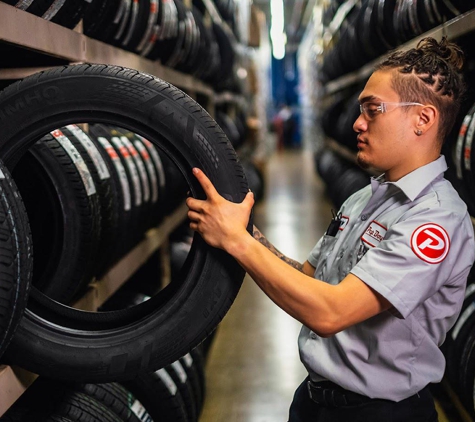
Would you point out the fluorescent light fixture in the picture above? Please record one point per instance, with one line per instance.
(278, 46)
(277, 34)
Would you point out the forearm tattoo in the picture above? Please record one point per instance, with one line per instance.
(262, 239)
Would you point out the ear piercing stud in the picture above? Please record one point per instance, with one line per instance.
(418, 132)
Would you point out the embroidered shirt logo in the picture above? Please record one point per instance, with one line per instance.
(374, 234)
(431, 243)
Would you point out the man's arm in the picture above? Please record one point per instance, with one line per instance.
(324, 308)
(305, 268)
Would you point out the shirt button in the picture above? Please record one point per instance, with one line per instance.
(313, 336)
(364, 217)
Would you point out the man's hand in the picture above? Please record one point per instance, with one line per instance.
(220, 222)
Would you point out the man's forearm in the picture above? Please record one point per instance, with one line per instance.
(263, 240)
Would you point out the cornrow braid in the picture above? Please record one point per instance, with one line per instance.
(438, 78)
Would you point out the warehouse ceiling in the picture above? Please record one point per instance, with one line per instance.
(297, 13)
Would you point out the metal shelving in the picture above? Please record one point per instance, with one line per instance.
(72, 46)
(14, 380)
(65, 46)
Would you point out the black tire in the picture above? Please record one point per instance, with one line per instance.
(255, 179)
(128, 138)
(45, 398)
(124, 164)
(66, 227)
(467, 373)
(99, 18)
(150, 27)
(108, 197)
(57, 341)
(70, 13)
(121, 189)
(157, 178)
(180, 377)
(39, 7)
(16, 259)
(457, 339)
(117, 399)
(194, 366)
(159, 395)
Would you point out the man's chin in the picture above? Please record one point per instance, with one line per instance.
(361, 162)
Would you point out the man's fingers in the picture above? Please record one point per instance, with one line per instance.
(205, 183)
(193, 216)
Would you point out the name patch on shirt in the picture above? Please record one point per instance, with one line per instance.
(374, 234)
(343, 222)
(431, 243)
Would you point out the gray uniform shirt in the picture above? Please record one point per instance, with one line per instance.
(412, 242)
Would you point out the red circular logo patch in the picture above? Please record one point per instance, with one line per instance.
(431, 243)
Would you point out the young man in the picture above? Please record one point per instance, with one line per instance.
(386, 282)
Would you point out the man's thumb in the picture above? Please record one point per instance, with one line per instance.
(249, 199)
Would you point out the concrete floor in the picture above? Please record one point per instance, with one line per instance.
(253, 366)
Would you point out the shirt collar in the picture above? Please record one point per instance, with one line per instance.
(415, 182)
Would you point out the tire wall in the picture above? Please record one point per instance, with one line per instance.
(100, 158)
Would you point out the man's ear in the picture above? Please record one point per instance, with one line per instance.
(427, 117)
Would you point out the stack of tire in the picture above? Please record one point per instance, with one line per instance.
(99, 156)
(173, 393)
(341, 177)
(459, 151)
(167, 31)
(459, 350)
(67, 13)
(373, 27)
(100, 193)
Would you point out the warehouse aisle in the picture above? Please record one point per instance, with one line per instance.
(253, 367)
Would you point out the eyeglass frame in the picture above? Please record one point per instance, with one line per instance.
(382, 107)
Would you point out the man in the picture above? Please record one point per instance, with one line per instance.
(386, 282)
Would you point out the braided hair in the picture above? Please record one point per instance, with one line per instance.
(431, 74)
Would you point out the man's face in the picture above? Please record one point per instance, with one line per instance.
(384, 139)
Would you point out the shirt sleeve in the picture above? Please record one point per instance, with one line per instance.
(415, 259)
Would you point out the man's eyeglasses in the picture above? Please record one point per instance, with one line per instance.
(370, 110)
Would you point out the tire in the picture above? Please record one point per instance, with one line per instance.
(60, 342)
(180, 377)
(66, 228)
(457, 339)
(129, 179)
(157, 178)
(70, 13)
(99, 19)
(159, 395)
(109, 200)
(194, 366)
(121, 189)
(16, 259)
(467, 373)
(117, 399)
(45, 398)
(128, 139)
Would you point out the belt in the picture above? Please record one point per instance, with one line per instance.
(329, 394)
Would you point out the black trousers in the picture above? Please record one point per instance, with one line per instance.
(417, 408)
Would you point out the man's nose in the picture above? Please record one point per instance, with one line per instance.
(360, 124)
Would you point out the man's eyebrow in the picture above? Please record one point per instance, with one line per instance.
(367, 98)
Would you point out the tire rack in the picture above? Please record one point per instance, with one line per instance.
(68, 46)
(453, 29)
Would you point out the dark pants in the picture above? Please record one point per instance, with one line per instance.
(417, 408)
